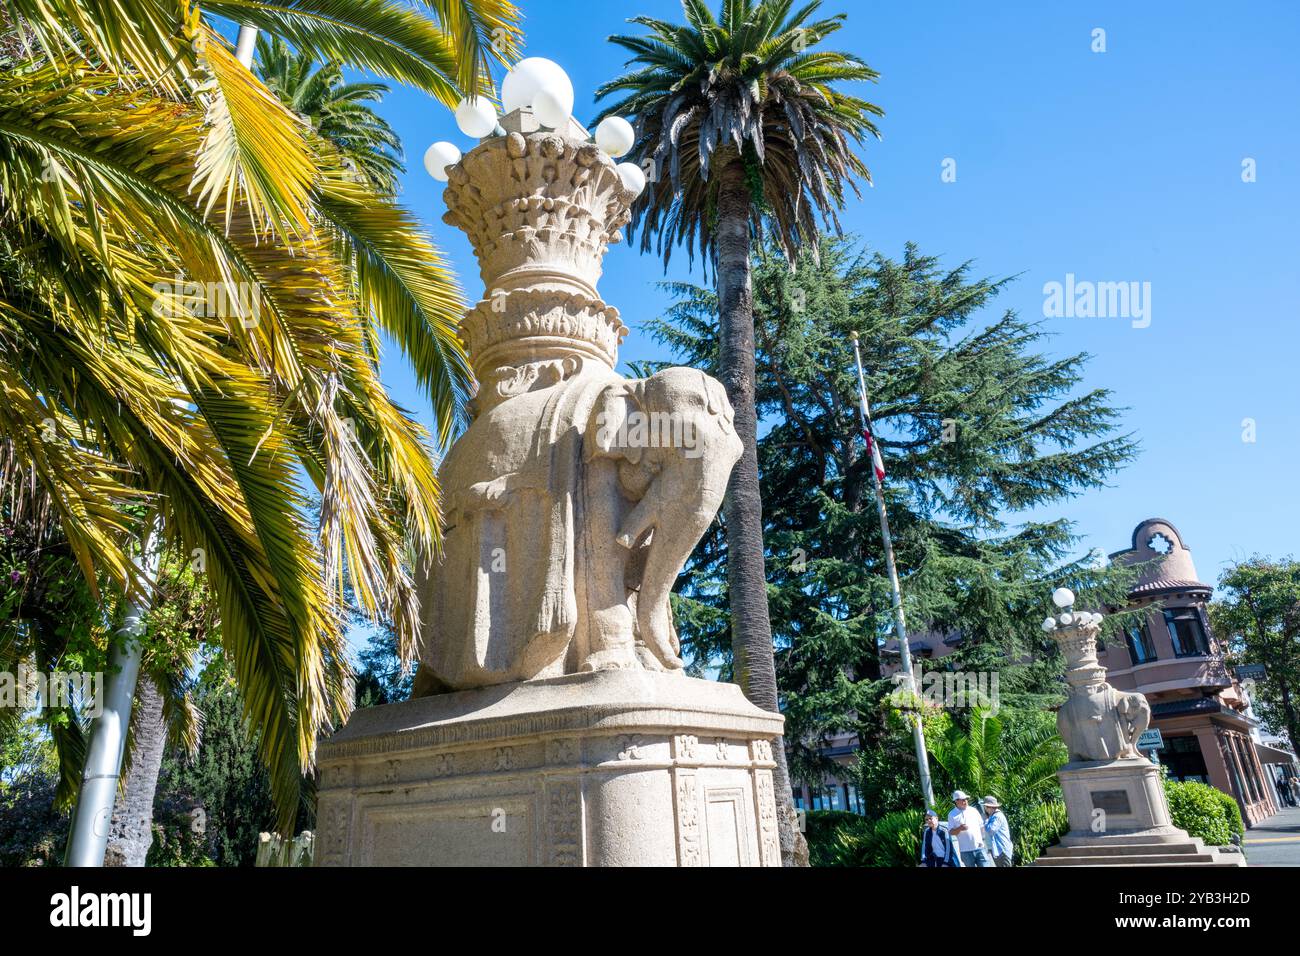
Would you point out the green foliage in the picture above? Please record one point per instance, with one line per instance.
(752, 87)
(1257, 611)
(895, 839)
(382, 677)
(335, 109)
(225, 779)
(50, 620)
(836, 838)
(56, 622)
(179, 835)
(1013, 756)
(26, 753)
(33, 832)
(1025, 433)
(886, 771)
(1232, 812)
(1035, 826)
(139, 161)
(833, 837)
(1199, 809)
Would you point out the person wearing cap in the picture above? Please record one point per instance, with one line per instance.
(966, 828)
(998, 832)
(937, 848)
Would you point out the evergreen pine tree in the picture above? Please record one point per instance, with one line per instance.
(977, 426)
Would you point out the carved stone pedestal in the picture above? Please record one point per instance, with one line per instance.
(612, 768)
(1116, 798)
(1119, 817)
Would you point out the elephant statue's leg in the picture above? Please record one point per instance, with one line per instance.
(676, 510)
(609, 630)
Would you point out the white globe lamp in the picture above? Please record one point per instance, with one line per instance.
(528, 77)
(476, 116)
(633, 177)
(1063, 597)
(551, 110)
(438, 157)
(615, 136)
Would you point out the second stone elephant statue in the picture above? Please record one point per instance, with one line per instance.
(1099, 722)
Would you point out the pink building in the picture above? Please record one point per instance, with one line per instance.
(1172, 657)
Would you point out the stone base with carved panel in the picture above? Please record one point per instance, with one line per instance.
(611, 768)
(1119, 817)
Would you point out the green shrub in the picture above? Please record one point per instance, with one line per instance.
(177, 840)
(1233, 813)
(32, 832)
(1198, 809)
(836, 838)
(1035, 827)
(895, 839)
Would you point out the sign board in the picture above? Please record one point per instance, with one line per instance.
(1111, 801)
(1247, 671)
(1151, 740)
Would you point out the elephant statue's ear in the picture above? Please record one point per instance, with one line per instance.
(717, 403)
(607, 429)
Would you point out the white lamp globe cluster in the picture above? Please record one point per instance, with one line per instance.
(542, 86)
(1063, 598)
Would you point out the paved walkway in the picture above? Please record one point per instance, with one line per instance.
(1275, 841)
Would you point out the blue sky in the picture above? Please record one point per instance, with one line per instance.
(1124, 165)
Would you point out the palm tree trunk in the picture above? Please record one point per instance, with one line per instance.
(751, 629)
(131, 832)
(245, 44)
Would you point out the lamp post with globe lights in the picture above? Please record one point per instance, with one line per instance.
(1114, 797)
(540, 88)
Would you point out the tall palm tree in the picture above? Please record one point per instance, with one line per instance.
(742, 128)
(337, 111)
(191, 288)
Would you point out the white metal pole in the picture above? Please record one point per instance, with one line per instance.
(88, 839)
(900, 624)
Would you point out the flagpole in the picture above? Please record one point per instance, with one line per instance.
(900, 624)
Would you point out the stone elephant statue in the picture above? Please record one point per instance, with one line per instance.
(660, 450)
(1102, 723)
(572, 502)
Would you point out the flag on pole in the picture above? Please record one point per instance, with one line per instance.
(876, 462)
(864, 410)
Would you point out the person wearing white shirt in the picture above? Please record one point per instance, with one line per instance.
(966, 826)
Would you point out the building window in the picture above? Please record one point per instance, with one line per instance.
(855, 800)
(1140, 646)
(1183, 757)
(1186, 632)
